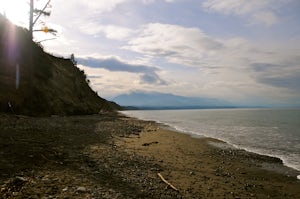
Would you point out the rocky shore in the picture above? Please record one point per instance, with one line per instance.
(113, 156)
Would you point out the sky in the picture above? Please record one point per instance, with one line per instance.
(243, 51)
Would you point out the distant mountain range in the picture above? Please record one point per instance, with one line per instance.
(156, 100)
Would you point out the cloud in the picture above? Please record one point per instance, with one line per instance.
(188, 46)
(110, 31)
(282, 75)
(263, 67)
(290, 82)
(227, 67)
(116, 32)
(112, 83)
(267, 18)
(104, 5)
(94, 76)
(148, 1)
(115, 64)
(152, 78)
(152, 1)
(259, 11)
(237, 7)
(148, 73)
(100, 6)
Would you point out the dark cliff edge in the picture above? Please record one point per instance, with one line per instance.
(33, 82)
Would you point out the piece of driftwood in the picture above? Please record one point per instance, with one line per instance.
(165, 181)
(150, 143)
(44, 157)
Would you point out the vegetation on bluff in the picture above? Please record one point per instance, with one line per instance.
(34, 82)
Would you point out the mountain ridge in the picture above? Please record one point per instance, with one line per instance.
(157, 100)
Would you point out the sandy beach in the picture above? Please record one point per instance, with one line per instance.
(209, 168)
(113, 156)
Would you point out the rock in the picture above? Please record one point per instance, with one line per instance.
(48, 197)
(19, 180)
(81, 189)
(15, 193)
(46, 180)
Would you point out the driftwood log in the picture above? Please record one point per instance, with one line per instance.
(165, 181)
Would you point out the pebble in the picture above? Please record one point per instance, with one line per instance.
(192, 173)
(15, 193)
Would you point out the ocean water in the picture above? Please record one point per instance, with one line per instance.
(273, 132)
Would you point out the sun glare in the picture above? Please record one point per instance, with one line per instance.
(16, 11)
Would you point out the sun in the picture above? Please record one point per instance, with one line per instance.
(16, 11)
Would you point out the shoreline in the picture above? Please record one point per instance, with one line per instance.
(257, 175)
(234, 146)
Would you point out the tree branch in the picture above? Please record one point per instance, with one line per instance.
(42, 11)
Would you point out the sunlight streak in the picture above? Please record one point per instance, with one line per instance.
(12, 45)
(17, 76)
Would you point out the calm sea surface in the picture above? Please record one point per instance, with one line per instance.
(274, 132)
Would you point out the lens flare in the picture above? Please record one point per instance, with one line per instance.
(17, 76)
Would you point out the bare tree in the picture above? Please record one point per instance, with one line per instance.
(35, 14)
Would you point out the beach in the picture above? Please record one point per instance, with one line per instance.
(201, 170)
(114, 156)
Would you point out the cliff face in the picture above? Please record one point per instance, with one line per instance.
(35, 83)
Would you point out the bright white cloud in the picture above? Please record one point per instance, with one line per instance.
(117, 32)
(103, 5)
(99, 6)
(238, 7)
(260, 11)
(109, 83)
(174, 42)
(186, 46)
(110, 31)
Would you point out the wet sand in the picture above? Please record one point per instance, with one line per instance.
(113, 156)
